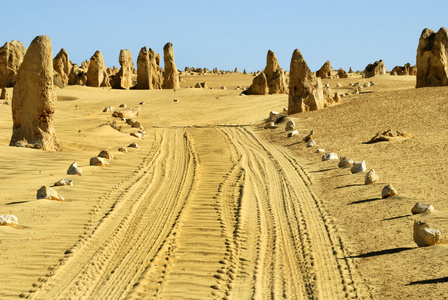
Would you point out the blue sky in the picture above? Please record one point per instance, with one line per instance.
(229, 34)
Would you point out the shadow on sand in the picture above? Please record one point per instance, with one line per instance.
(394, 218)
(364, 201)
(430, 281)
(381, 252)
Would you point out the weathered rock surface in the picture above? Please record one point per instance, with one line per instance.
(342, 73)
(123, 79)
(420, 208)
(106, 154)
(329, 156)
(171, 74)
(376, 69)
(144, 74)
(371, 177)
(77, 76)
(62, 66)
(358, 166)
(9, 220)
(274, 75)
(388, 191)
(46, 192)
(309, 136)
(156, 75)
(74, 169)
(98, 161)
(64, 182)
(96, 73)
(424, 235)
(33, 103)
(11, 57)
(432, 63)
(259, 86)
(269, 125)
(325, 71)
(345, 162)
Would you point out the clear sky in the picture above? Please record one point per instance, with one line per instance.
(229, 34)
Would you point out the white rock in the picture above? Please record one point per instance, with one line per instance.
(48, 193)
(358, 166)
(310, 143)
(293, 133)
(327, 85)
(123, 105)
(63, 182)
(74, 169)
(344, 162)
(424, 235)
(329, 156)
(285, 110)
(98, 161)
(9, 220)
(320, 151)
(371, 177)
(420, 208)
(109, 109)
(290, 125)
(388, 191)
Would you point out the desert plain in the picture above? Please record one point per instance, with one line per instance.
(213, 205)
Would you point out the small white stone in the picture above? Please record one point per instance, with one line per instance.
(371, 177)
(329, 156)
(293, 133)
(310, 143)
(9, 220)
(290, 125)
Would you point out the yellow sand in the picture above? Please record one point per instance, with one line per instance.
(214, 206)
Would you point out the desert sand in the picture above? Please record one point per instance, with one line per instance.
(213, 205)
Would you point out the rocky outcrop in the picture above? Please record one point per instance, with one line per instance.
(11, 57)
(259, 86)
(62, 67)
(33, 102)
(144, 77)
(432, 63)
(274, 75)
(123, 79)
(96, 73)
(171, 74)
(376, 69)
(325, 71)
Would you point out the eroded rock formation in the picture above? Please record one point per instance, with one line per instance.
(325, 71)
(123, 79)
(171, 74)
(11, 57)
(62, 66)
(96, 72)
(376, 69)
(274, 75)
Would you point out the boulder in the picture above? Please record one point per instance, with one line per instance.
(371, 177)
(310, 143)
(4, 94)
(144, 75)
(432, 53)
(74, 169)
(11, 57)
(358, 166)
(290, 125)
(105, 154)
(305, 90)
(388, 191)
(46, 192)
(345, 162)
(329, 156)
(9, 220)
(376, 69)
(293, 133)
(33, 102)
(137, 124)
(64, 182)
(275, 77)
(420, 208)
(171, 74)
(123, 79)
(325, 71)
(342, 73)
(98, 161)
(424, 235)
(96, 73)
(259, 86)
(62, 67)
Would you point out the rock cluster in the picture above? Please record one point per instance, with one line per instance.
(376, 69)
(33, 103)
(432, 53)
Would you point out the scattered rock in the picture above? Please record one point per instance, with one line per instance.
(376, 69)
(358, 166)
(123, 149)
(134, 145)
(342, 73)
(128, 113)
(420, 208)
(290, 125)
(137, 135)
(293, 133)
(388, 191)
(137, 124)
(320, 151)
(310, 143)
(33, 103)
(142, 103)
(389, 136)
(46, 192)
(123, 105)
(338, 85)
(329, 156)
(223, 88)
(371, 177)
(9, 220)
(309, 136)
(345, 162)
(175, 100)
(269, 125)
(424, 235)
(403, 71)
(74, 169)
(64, 182)
(171, 74)
(106, 154)
(4, 94)
(98, 161)
(109, 109)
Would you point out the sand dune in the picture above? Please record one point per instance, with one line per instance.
(214, 206)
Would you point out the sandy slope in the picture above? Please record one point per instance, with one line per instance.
(214, 206)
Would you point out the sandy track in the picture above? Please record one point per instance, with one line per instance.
(211, 212)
